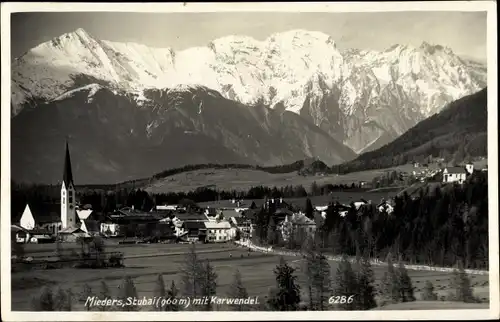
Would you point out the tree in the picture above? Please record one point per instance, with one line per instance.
(128, 290)
(172, 294)
(428, 292)
(309, 211)
(317, 273)
(346, 283)
(461, 287)
(238, 291)
(159, 291)
(390, 285)
(62, 300)
(86, 293)
(104, 294)
(286, 296)
(208, 282)
(191, 273)
(405, 286)
(366, 291)
(44, 301)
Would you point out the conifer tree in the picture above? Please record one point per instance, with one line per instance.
(461, 286)
(317, 276)
(208, 282)
(62, 300)
(128, 290)
(390, 285)
(346, 284)
(309, 211)
(428, 293)
(286, 295)
(159, 291)
(191, 272)
(44, 301)
(366, 291)
(86, 293)
(405, 285)
(238, 291)
(172, 294)
(104, 294)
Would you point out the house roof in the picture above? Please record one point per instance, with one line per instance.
(283, 212)
(231, 213)
(40, 232)
(455, 169)
(193, 225)
(217, 225)
(83, 213)
(190, 216)
(16, 228)
(71, 230)
(239, 220)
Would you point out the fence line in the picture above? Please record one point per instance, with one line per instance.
(374, 262)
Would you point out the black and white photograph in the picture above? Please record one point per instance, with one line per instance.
(187, 161)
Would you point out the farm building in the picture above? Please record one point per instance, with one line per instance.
(194, 231)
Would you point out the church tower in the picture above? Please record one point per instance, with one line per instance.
(68, 202)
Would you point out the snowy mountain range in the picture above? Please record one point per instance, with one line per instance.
(363, 98)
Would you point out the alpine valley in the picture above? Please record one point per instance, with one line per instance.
(131, 111)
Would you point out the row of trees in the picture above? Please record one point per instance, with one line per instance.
(39, 196)
(351, 288)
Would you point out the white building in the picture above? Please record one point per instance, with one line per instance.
(456, 174)
(221, 231)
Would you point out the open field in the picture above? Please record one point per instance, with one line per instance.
(256, 269)
(244, 179)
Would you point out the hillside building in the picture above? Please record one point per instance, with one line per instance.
(457, 174)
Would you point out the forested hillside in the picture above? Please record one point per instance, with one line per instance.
(457, 133)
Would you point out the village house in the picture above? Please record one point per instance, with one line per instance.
(194, 231)
(457, 174)
(219, 231)
(295, 223)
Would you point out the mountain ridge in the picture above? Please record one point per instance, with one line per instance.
(113, 138)
(456, 133)
(356, 96)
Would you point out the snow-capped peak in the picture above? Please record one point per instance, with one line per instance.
(299, 70)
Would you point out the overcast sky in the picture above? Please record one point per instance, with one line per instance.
(464, 32)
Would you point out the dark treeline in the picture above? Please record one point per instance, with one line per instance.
(440, 227)
(39, 196)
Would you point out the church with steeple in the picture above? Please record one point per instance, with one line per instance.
(68, 195)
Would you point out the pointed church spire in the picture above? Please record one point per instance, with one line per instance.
(68, 174)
